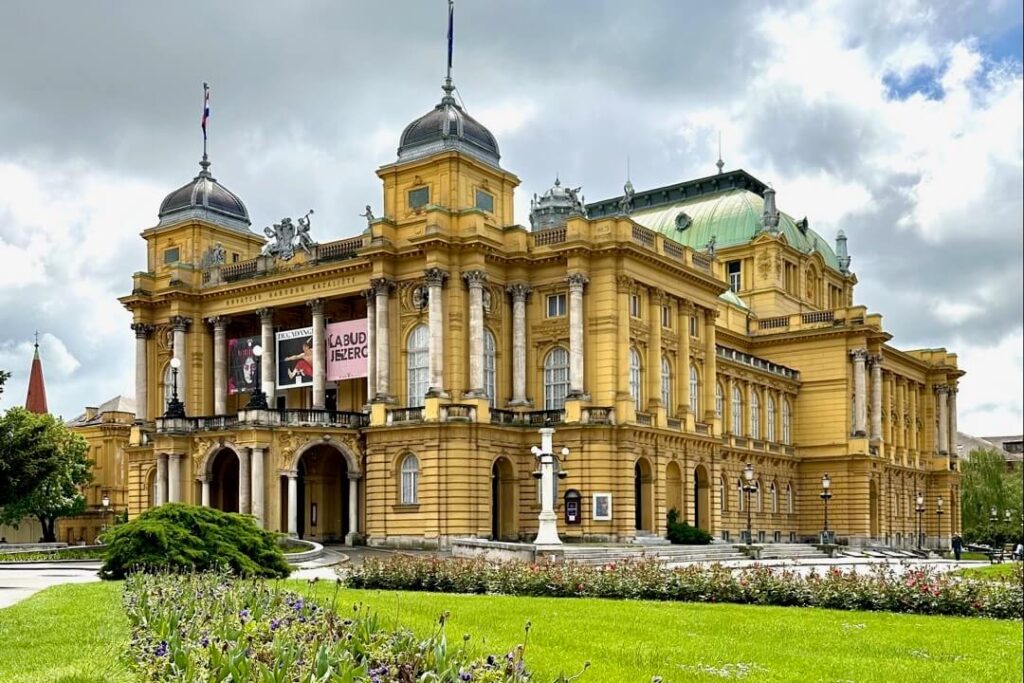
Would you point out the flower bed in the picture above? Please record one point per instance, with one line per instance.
(918, 591)
(210, 627)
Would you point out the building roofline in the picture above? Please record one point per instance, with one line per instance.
(688, 189)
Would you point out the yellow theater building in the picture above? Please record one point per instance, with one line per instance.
(387, 387)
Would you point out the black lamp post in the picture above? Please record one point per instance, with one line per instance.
(105, 502)
(748, 488)
(993, 517)
(175, 408)
(920, 518)
(258, 400)
(938, 517)
(826, 495)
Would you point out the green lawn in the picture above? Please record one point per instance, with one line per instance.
(47, 555)
(73, 634)
(1000, 572)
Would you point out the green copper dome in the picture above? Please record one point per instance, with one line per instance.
(732, 217)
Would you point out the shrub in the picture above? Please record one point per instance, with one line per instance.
(210, 627)
(682, 533)
(187, 538)
(917, 591)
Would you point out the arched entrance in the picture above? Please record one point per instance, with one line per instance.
(323, 491)
(674, 490)
(702, 498)
(643, 495)
(873, 508)
(504, 525)
(223, 472)
(151, 488)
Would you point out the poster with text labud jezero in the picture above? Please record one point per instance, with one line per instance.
(243, 365)
(346, 350)
(295, 358)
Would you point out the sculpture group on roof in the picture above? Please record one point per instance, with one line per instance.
(285, 238)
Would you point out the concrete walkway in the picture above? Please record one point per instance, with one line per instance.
(19, 581)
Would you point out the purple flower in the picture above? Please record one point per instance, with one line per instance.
(161, 649)
(274, 624)
(465, 676)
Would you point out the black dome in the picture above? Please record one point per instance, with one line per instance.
(205, 197)
(447, 126)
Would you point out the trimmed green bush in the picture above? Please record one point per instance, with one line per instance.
(681, 533)
(187, 538)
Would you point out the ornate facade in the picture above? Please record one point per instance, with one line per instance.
(671, 336)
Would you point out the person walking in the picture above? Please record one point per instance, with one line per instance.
(958, 546)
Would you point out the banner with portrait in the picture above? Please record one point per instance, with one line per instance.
(346, 350)
(295, 358)
(243, 365)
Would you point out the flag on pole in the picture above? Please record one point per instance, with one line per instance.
(206, 107)
(451, 33)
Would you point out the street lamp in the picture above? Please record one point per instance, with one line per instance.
(748, 488)
(920, 518)
(826, 495)
(993, 517)
(938, 516)
(258, 400)
(547, 530)
(105, 502)
(175, 408)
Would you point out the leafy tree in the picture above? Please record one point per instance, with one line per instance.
(43, 464)
(986, 483)
(4, 376)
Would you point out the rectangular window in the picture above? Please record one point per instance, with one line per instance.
(485, 201)
(419, 197)
(634, 305)
(234, 257)
(666, 317)
(694, 327)
(556, 305)
(735, 275)
(172, 255)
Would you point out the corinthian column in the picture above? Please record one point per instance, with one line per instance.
(256, 472)
(244, 482)
(876, 397)
(941, 394)
(577, 281)
(382, 289)
(220, 365)
(174, 478)
(319, 354)
(180, 324)
(268, 371)
(161, 478)
(953, 438)
(520, 292)
(142, 332)
(476, 279)
(859, 357)
(371, 348)
(710, 367)
(435, 317)
(683, 367)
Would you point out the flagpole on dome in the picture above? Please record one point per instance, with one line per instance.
(448, 86)
(205, 163)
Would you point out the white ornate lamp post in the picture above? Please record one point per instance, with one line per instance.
(920, 518)
(258, 400)
(547, 531)
(826, 495)
(105, 502)
(748, 488)
(175, 408)
(938, 516)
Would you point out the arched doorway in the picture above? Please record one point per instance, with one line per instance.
(873, 508)
(323, 490)
(702, 498)
(151, 488)
(643, 495)
(223, 471)
(503, 498)
(674, 490)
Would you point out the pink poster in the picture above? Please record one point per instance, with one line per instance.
(346, 350)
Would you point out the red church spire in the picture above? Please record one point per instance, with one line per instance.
(35, 402)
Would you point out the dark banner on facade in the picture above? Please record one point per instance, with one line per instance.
(243, 365)
(295, 358)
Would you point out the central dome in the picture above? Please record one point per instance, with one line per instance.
(204, 198)
(448, 127)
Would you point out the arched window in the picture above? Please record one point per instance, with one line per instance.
(410, 480)
(723, 499)
(490, 366)
(666, 385)
(786, 438)
(556, 378)
(790, 507)
(755, 415)
(416, 364)
(741, 495)
(719, 401)
(737, 411)
(634, 376)
(770, 419)
(775, 499)
(694, 392)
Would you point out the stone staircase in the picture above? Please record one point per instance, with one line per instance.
(791, 551)
(671, 555)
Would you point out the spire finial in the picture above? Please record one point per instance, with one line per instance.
(205, 163)
(37, 340)
(449, 86)
(720, 164)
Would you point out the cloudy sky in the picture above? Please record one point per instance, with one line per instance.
(899, 122)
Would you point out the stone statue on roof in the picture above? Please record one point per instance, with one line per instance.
(368, 215)
(626, 203)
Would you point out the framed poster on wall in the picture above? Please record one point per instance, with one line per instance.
(295, 358)
(602, 507)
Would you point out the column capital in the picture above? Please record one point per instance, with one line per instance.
(577, 281)
(175, 456)
(875, 359)
(291, 474)
(316, 306)
(435, 277)
(520, 291)
(355, 476)
(202, 478)
(382, 285)
(475, 278)
(266, 315)
(218, 322)
(142, 330)
(371, 296)
(941, 389)
(623, 284)
(180, 322)
(859, 355)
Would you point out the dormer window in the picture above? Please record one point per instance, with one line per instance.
(419, 197)
(735, 275)
(485, 201)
